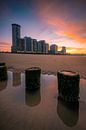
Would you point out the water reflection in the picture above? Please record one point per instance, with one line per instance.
(20, 109)
(32, 98)
(16, 79)
(3, 85)
(68, 112)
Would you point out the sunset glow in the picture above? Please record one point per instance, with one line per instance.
(62, 22)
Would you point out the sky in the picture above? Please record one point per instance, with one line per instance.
(62, 22)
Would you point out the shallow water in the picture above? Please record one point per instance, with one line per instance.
(40, 110)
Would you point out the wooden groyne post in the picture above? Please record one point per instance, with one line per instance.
(32, 78)
(3, 72)
(68, 85)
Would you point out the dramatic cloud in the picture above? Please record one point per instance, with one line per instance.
(60, 21)
(76, 50)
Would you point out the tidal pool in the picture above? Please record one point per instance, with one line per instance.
(39, 110)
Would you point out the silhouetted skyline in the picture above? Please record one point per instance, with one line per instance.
(30, 45)
(62, 22)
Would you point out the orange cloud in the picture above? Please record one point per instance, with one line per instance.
(62, 25)
(76, 50)
(70, 30)
(76, 37)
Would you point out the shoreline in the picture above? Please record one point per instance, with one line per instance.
(48, 63)
(67, 54)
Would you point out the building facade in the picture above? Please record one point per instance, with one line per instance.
(46, 48)
(53, 49)
(39, 47)
(21, 45)
(42, 47)
(35, 45)
(16, 35)
(28, 41)
(63, 51)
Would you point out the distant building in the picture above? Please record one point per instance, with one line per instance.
(28, 41)
(39, 49)
(21, 44)
(46, 48)
(53, 49)
(15, 37)
(63, 51)
(29, 45)
(35, 45)
(43, 47)
(43, 44)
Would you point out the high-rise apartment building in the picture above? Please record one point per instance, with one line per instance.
(21, 44)
(42, 46)
(16, 34)
(30, 45)
(35, 45)
(53, 49)
(63, 51)
(28, 41)
(39, 49)
(46, 48)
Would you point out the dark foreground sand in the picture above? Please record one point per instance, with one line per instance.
(48, 63)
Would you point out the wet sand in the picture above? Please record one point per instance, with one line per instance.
(48, 63)
(40, 110)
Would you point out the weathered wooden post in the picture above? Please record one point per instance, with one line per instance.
(2, 64)
(3, 72)
(32, 78)
(68, 85)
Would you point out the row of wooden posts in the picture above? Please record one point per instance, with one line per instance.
(68, 82)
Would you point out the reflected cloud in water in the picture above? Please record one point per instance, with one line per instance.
(16, 79)
(68, 112)
(32, 98)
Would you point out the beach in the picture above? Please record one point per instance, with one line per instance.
(48, 63)
(41, 109)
